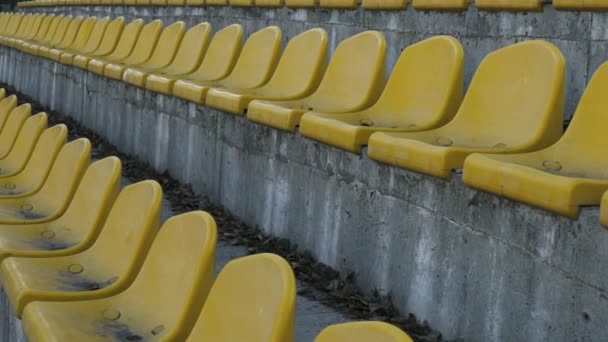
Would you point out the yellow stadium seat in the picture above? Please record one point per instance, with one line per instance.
(440, 4)
(106, 45)
(24, 145)
(411, 100)
(81, 40)
(31, 32)
(195, 3)
(142, 51)
(339, 3)
(24, 28)
(68, 38)
(562, 177)
(66, 56)
(580, 4)
(11, 128)
(216, 2)
(604, 210)
(241, 3)
(78, 227)
(36, 169)
(385, 4)
(187, 58)
(269, 3)
(124, 47)
(262, 311)
(57, 38)
(514, 104)
(42, 31)
(54, 196)
(253, 68)
(353, 81)
(164, 53)
(173, 283)
(362, 332)
(301, 3)
(297, 75)
(106, 268)
(7, 105)
(3, 95)
(510, 5)
(13, 24)
(29, 46)
(217, 63)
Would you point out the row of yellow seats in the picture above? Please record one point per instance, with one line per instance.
(514, 103)
(517, 5)
(83, 260)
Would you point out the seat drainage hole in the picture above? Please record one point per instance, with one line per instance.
(111, 315)
(552, 165)
(499, 146)
(47, 234)
(307, 107)
(441, 141)
(9, 186)
(366, 122)
(27, 207)
(75, 268)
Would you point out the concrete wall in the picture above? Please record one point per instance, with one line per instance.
(474, 265)
(582, 37)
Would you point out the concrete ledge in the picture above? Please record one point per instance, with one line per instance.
(474, 265)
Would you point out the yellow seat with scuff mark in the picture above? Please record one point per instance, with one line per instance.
(29, 180)
(297, 75)
(362, 332)
(106, 268)
(514, 104)
(411, 100)
(353, 81)
(78, 227)
(106, 45)
(161, 304)
(561, 178)
(124, 47)
(253, 68)
(217, 63)
(56, 193)
(262, 311)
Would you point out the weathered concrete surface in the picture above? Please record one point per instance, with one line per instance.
(582, 37)
(474, 265)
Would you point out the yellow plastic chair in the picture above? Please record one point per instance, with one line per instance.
(67, 37)
(604, 210)
(54, 31)
(216, 2)
(84, 33)
(42, 31)
(141, 52)
(301, 3)
(36, 169)
(253, 68)
(106, 45)
(510, 5)
(124, 47)
(7, 105)
(66, 56)
(27, 46)
(353, 81)
(297, 75)
(411, 100)
(78, 227)
(241, 3)
(562, 177)
(269, 3)
(262, 311)
(32, 32)
(164, 53)
(27, 25)
(62, 28)
(514, 104)
(106, 268)
(3, 95)
(217, 63)
(173, 283)
(580, 4)
(440, 4)
(11, 128)
(351, 4)
(385, 4)
(24, 145)
(187, 58)
(195, 3)
(54, 196)
(362, 332)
